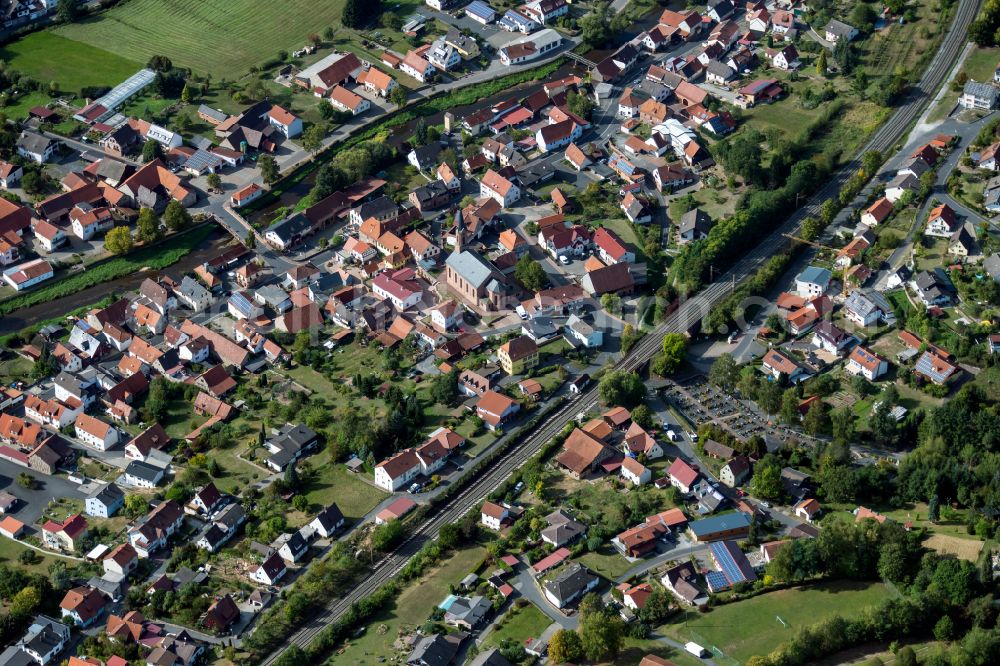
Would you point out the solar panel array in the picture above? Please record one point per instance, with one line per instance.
(734, 564)
(716, 581)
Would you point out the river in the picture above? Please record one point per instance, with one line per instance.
(53, 309)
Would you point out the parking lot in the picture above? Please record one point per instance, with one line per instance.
(34, 500)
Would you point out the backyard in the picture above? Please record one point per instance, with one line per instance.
(412, 608)
(10, 550)
(518, 625)
(334, 483)
(758, 625)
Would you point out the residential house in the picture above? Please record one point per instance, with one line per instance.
(83, 605)
(35, 147)
(270, 571)
(694, 225)
(562, 529)
(328, 521)
(152, 532)
(500, 189)
(900, 185)
(194, 296)
(778, 364)
(634, 472)
(346, 101)
(288, 444)
(105, 502)
(877, 213)
(975, 95)
(284, 121)
(735, 471)
(121, 561)
(495, 409)
(837, 30)
(682, 476)
(65, 536)
(807, 509)
(518, 355)
(493, 516)
(572, 584)
(95, 433)
(813, 281)
(830, 338)
(941, 222)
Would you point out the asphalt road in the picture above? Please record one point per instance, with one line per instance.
(34, 500)
(688, 315)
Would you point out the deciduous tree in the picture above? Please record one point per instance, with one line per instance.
(118, 240)
(530, 273)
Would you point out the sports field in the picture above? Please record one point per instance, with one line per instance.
(46, 57)
(751, 627)
(223, 38)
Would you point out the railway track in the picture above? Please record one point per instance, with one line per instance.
(687, 314)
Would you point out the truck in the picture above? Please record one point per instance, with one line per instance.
(696, 650)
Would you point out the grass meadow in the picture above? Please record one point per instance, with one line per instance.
(223, 38)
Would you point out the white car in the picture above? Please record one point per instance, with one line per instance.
(564, 260)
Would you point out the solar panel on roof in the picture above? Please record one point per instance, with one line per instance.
(716, 581)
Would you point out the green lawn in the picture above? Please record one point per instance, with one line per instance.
(635, 649)
(333, 483)
(981, 63)
(750, 627)
(236, 472)
(10, 549)
(312, 380)
(412, 608)
(14, 369)
(219, 37)
(46, 56)
(518, 625)
(19, 107)
(951, 522)
(607, 562)
(181, 419)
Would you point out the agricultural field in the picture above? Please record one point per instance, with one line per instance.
(905, 45)
(751, 627)
(46, 56)
(217, 37)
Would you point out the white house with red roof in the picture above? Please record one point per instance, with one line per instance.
(251, 192)
(286, 122)
(66, 535)
(610, 247)
(95, 433)
(344, 100)
(682, 476)
(493, 515)
(635, 472)
(557, 135)
(417, 66)
(866, 363)
(498, 188)
(400, 287)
